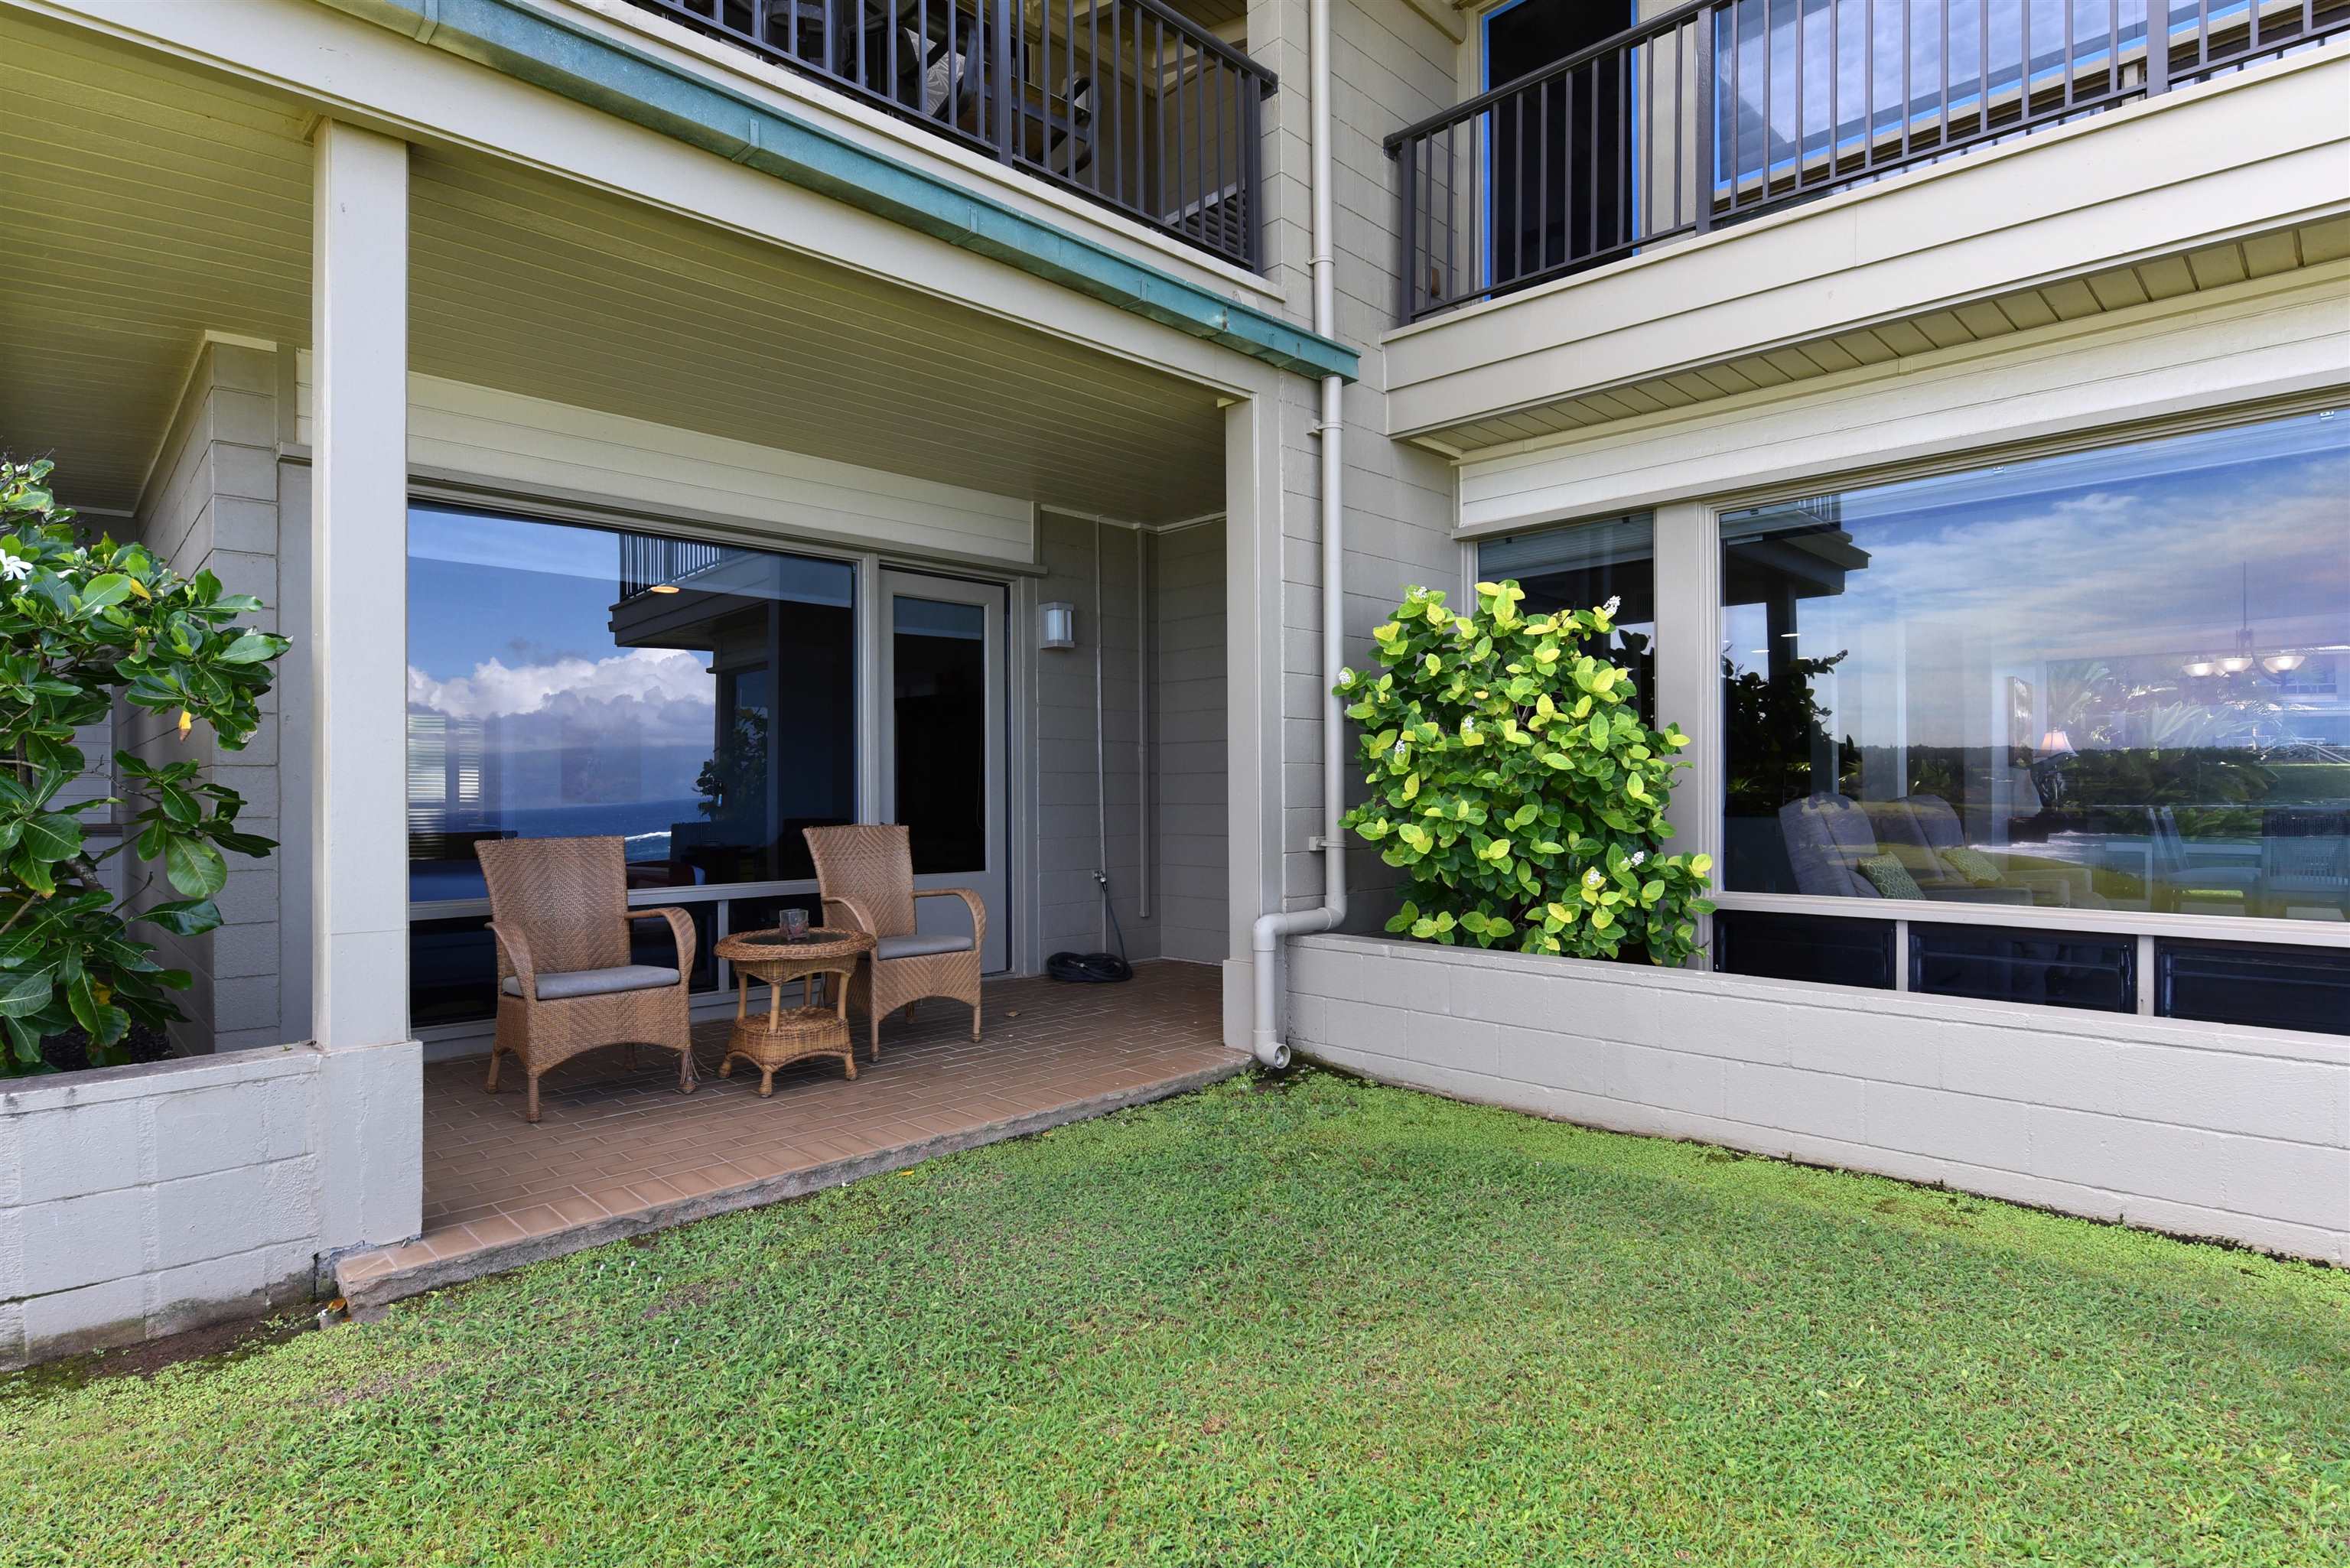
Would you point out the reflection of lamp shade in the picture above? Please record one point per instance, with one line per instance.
(2056, 743)
(2281, 663)
(2236, 663)
(2199, 667)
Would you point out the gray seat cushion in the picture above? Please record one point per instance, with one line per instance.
(575, 982)
(920, 946)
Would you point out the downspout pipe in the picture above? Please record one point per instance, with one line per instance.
(1272, 927)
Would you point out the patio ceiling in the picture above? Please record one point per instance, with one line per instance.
(171, 202)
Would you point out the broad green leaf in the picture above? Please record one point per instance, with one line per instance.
(26, 995)
(52, 836)
(194, 868)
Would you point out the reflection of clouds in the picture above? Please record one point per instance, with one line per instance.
(650, 696)
(2109, 572)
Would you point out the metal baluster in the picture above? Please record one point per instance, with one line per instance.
(1835, 83)
(1983, 67)
(1737, 99)
(1159, 164)
(2202, 35)
(1706, 133)
(2158, 47)
(1623, 147)
(1869, 85)
(1770, 82)
(1408, 239)
(1942, 50)
(1802, 32)
(1680, 51)
(1906, 117)
(2023, 81)
(1644, 154)
(2113, 47)
(1252, 169)
(1451, 225)
(1116, 98)
(1541, 175)
(2069, 51)
(1093, 74)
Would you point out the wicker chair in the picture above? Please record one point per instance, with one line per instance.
(866, 875)
(559, 912)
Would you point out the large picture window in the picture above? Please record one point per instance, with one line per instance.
(695, 699)
(2116, 679)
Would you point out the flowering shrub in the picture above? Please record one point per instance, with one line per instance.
(79, 623)
(1514, 783)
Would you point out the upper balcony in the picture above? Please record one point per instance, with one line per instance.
(1129, 103)
(1739, 196)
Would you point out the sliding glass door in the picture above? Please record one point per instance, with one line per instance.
(943, 679)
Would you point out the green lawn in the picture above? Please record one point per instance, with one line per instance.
(1329, 1324)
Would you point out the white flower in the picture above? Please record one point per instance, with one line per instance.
(1610, 607)
(16, 569)
(1592, 878)
(1397, 752)
(1638, 856)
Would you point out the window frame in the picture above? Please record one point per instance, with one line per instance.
(868, 623)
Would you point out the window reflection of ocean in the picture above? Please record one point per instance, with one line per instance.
(644, 826)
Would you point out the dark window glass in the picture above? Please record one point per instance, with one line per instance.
(1560, 161)
(939, 661)
(1582, 567)
(452, 964)
(2267, 987)
(695, 699)
(1996, 964)
(2112, 680)
(1820, 947)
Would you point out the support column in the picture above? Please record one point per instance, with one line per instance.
(1253, 691)
(1689, 677)
(371, 1102)
(358, 578)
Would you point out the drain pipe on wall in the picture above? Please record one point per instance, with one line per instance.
(1271, 928)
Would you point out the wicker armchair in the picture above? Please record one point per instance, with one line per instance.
(559, 912)
(866, 874)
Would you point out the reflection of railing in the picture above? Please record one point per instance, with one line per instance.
(648, 562)
(1124, 101)
(1723, 108)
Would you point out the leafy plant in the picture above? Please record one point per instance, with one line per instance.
(1776, 734)
(1514, 784)
(81, 622)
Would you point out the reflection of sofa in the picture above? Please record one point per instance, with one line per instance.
(1887, 848)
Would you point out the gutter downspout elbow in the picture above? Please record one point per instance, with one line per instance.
(1266, 934)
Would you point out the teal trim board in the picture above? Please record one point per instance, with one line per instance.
(562, 56)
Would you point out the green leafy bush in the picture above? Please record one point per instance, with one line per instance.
(1514, 784)
(79, 623)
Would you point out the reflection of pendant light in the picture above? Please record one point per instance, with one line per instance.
(2245, 656)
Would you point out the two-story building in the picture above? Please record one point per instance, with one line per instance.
(689, 422)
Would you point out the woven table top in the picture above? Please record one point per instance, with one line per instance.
(769, 947)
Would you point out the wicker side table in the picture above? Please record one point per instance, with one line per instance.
(785, 1034)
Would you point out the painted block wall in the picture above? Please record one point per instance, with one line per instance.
(2196, 1130)
(211, 504)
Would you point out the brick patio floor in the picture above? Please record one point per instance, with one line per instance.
(616, 1152)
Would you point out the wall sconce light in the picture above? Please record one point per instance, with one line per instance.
(1056, 625)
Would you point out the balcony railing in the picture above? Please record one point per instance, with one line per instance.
(1123, 101)
(1722, 109)
(651, 562)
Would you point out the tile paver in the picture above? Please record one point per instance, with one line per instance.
(615, 1144)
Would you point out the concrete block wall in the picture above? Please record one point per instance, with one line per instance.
(2196, 1130)
(138, 1202)
(1188, 739)
(212, 504)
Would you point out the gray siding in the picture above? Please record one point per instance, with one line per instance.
(1187, 724)
(211, 504)
(1069, 818)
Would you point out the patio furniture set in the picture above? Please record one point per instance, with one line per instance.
(567, 981)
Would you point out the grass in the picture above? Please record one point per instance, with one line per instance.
(1333, 1324)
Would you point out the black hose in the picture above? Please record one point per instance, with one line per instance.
(1093, 968)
